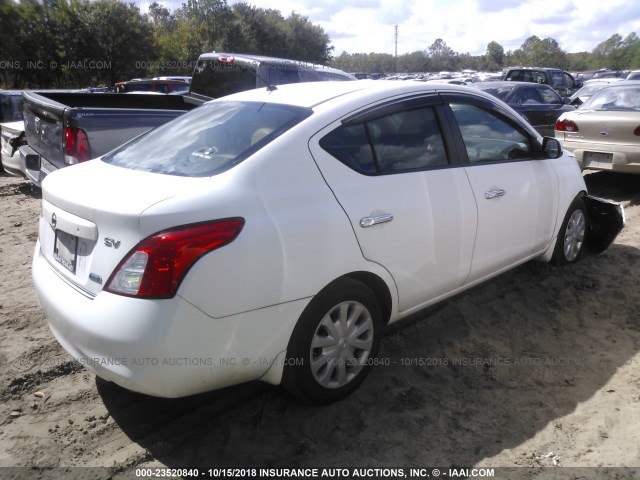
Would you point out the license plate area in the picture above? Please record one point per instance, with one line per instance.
(65, 250)
(597, 157)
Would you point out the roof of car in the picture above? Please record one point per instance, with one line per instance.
(311, 94)
(264, 58)
(509, 83)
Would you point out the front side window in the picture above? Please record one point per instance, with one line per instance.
(557, 80)
(489, 138)
(568, 80)
(399, 142)
(208, 140)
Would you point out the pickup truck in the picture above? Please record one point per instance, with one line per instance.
(65, 128)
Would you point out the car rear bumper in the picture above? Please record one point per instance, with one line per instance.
(623, 158)
(165, 348)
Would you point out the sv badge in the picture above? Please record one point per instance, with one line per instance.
(110, 242)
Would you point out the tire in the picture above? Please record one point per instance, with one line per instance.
(572, 235)
(325, 364)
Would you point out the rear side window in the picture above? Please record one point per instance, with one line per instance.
(400, 142)
(208, 140)
(489, 138)
(549, 96)
(557, 80)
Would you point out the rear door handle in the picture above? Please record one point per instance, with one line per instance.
(494, 193)
(366, 222)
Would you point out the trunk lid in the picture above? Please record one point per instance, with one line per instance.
(613, 127)
(90, 217)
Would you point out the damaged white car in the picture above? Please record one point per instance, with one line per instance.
(271, 235)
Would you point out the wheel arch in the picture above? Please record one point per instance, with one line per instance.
(379, 288)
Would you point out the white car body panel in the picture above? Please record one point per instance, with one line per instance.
(432, 234)
(11, 163)
(238, 305)
(518, 224)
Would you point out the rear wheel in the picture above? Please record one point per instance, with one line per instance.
(334, 343)
(570, 242)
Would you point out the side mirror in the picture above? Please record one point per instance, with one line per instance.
(551, 147)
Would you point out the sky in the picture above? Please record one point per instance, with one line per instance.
(467, 26)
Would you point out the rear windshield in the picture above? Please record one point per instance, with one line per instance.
(208, 140)
(215, 79)
(614, 98)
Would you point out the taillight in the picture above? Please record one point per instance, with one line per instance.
(76, 146)
(157, 265)
(566, 126)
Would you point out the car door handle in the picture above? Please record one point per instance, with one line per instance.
(494, 193)
(371, 221)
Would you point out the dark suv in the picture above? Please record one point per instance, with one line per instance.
(561, 81)
(219, 74)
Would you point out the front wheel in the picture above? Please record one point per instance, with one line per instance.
(571, 237)
(333, 346)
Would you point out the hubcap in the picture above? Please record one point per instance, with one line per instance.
(574, 235)
(341, 345)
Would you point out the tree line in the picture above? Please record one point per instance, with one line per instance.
(615, 53)
(80, 43)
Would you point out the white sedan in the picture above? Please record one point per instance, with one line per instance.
(11, 138)
(272, 234)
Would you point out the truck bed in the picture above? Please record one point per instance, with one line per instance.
(106, 120)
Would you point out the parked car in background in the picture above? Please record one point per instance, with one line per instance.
(370, 200)
(589, 88)
(634, 75)
(218, 74)
(11, 138)
(363, 76)
(561, 81)
(539, 104)
(604, 132)
(69, 128)
(65, 128)
(10, 105)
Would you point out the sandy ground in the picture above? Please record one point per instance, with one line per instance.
(539, 367)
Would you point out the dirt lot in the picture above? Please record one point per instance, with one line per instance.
(539, 367)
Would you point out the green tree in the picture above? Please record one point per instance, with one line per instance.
(441, 56)
(495, 53)
(123, 39)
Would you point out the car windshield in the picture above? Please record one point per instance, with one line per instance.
(590, 89)
(614, 98)
(208, 140)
